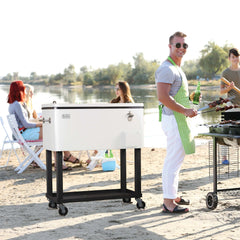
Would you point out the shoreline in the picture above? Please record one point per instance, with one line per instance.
(191, 83)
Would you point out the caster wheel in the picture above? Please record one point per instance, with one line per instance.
(140, 204)
(52, 204)
(127, 200)
(211, 200)
(62, 210)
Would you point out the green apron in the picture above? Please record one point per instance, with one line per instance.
(182, 121)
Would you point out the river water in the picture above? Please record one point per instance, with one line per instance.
(153, 135)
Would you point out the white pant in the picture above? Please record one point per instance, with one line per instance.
(174, 157)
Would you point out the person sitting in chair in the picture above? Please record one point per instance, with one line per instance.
(29, 90)
(30, 131)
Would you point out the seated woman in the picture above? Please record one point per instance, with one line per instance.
(123, 95)
(29, 90)
(30, 131)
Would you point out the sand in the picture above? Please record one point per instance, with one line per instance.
(25, 214)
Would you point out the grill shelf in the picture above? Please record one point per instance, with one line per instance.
(218, 171)
(224, 171)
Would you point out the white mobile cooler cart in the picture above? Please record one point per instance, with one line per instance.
(75, 127)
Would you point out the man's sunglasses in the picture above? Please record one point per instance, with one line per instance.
(178, 45)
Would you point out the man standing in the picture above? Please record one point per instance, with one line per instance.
(232, 74)
(174, 112)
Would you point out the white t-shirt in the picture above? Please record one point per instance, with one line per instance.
(168, 73)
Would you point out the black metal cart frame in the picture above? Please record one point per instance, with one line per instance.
(56, 199)
(212, 199)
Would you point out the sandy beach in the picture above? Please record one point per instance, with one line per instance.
(25, 214)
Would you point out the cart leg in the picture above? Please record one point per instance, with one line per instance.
(123, 170)
(59, 177)
(51, 204)
(49, 171)
(137, 156)
(137, 160)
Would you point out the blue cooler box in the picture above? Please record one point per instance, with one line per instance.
(109, 164)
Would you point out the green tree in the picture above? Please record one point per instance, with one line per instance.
(101, 77)
(88, 79)
(15, 76)
(80, 77)
(125, 70)
(114, 73)
(33, 76)
(144, 71)
(84, 69)
(56, 79)
(192, 69)
(8, 77)
(70, 74)
(214, 59)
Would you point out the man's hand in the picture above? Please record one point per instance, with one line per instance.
(188, 112)
(192, 96)
(231, 86)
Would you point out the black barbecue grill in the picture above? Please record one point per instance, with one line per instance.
(222, 134)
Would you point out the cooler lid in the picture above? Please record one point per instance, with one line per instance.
(92, 106)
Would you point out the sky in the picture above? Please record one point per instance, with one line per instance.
(46, 36)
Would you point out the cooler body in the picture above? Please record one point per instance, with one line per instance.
(74, 127)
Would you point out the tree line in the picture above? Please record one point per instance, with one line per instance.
(213, 60)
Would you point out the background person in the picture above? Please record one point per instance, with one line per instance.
(232, 74)
(29, 89)
(30, 131)
(16, 100)
(123, 93)
(174, 112)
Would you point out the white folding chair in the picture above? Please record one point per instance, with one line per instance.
(33, 148)
(9, 141)
(96, 159)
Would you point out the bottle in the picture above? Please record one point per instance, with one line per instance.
(106, 154)
(197, 94)
(111, 154)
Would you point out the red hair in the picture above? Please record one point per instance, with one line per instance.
(16, 92)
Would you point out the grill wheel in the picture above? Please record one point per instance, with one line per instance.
(211, 200)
